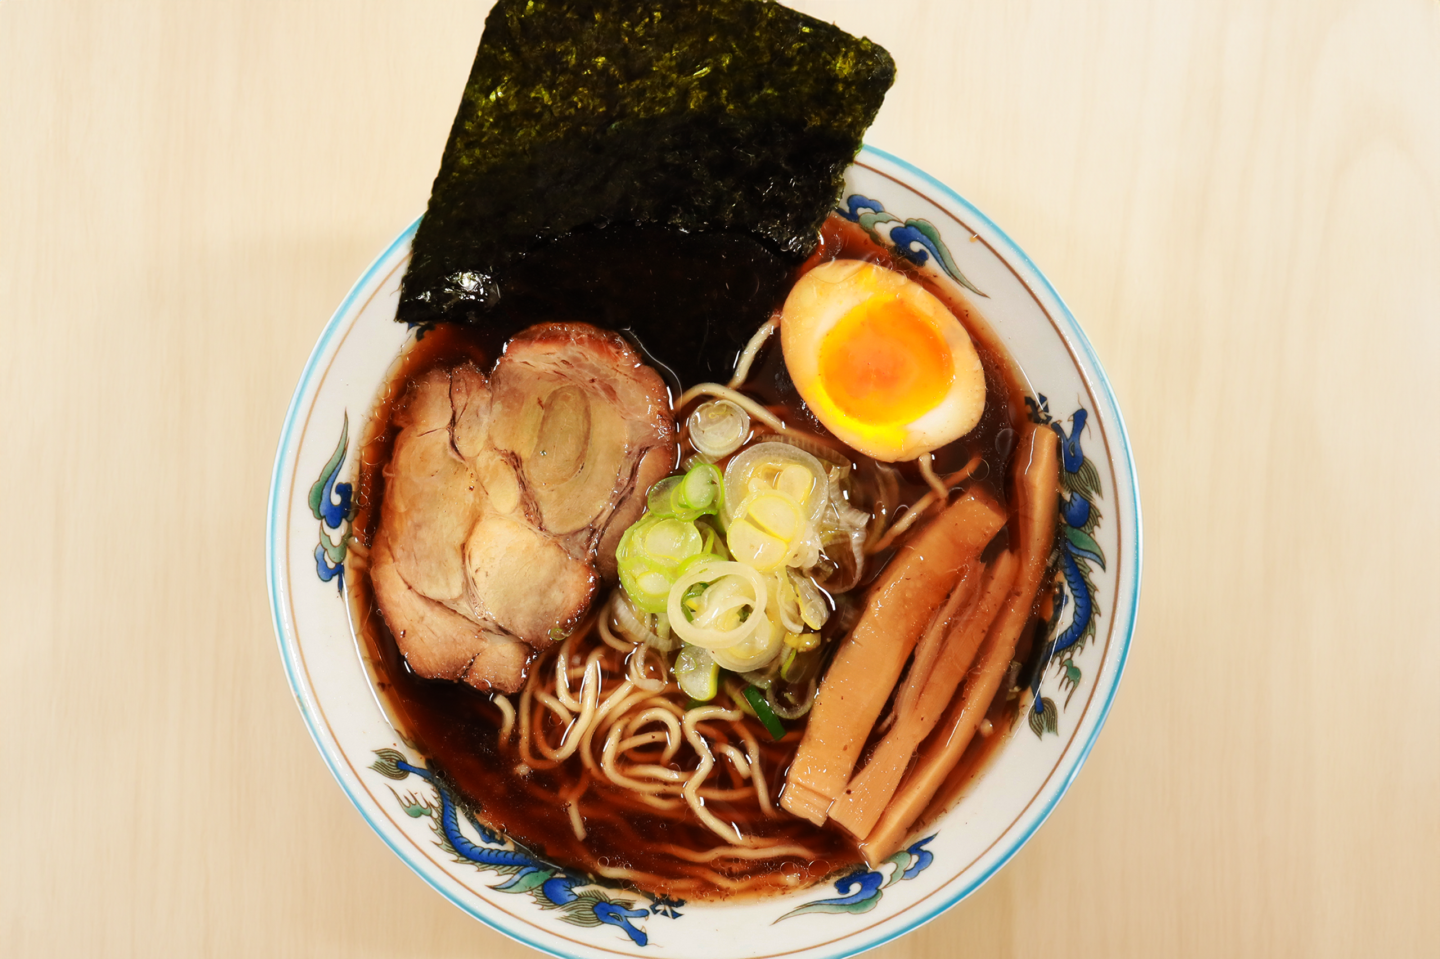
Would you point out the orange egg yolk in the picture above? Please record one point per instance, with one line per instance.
(885, 363)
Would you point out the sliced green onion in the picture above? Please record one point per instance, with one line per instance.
(696, 673)
(791, 712)
(813, 608)
(657, 501)
(718, 427)
(638, 626)
(789, 661)
(703, 488)
(764, 713)
(730, 607)
(800, 666)
(671, 541)
(690, 601)
(699, 492)
(651, 554)
(777, 466)
(756, 652)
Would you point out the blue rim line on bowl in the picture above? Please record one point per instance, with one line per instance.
(1071, 331)
(1074, 330)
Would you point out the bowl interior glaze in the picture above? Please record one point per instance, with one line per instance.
(565, 914)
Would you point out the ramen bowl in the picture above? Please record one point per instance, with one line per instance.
(566, 913)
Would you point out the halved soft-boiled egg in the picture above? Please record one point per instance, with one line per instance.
(880, 361)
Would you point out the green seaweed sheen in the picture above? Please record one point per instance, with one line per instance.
(702, 115)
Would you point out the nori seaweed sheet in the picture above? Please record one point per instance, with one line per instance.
(690, 301)
(699, 115)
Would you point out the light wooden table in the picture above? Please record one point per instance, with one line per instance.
(1241, 202)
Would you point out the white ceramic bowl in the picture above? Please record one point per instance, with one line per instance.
(568, 915)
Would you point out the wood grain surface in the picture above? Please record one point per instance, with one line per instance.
(1239, 200)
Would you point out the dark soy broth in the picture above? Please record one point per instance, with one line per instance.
(456, 726)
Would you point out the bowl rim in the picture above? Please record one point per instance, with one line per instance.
(1064, 318)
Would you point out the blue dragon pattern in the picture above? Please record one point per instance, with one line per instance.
(861, 890)
(1077, 549)
(916, 240)
(581, 900)
(330, 504)
(584, 900)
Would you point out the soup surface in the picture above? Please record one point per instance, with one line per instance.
(563, 810)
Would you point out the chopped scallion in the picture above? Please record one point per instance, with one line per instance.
(756, 698)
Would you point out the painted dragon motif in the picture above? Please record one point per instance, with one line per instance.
(1076, 550)
(916, 240)
(330, 503)
(919, 242)
(861, 890)
(585, 900)
(580, 899)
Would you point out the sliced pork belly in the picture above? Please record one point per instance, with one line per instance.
(525, 582)
(504, 499)
(430, 504)
(433, 501)
(438, 642)
(589, 425)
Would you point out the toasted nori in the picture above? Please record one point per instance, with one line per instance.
(688, 300)
(704, 116)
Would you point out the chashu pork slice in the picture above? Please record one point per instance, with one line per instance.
(504, 499)
(438, 642)
(432, 503)
(587, 424)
